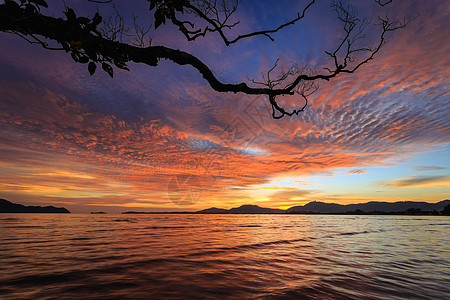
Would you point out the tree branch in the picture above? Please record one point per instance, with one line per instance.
(86, 44)
(218, 25)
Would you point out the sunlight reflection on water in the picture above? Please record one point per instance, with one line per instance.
(224, 256)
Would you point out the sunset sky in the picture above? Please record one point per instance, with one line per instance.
(161, 139)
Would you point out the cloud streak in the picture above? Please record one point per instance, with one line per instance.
(420, 182)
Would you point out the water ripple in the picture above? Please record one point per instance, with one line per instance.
(224, 257)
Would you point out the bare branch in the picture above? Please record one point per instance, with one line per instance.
(218, 19)
(383, 3)
(114, 27)
(142, 39)
(267, 32)
(100, 1)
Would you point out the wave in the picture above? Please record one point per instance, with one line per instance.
(236, 258)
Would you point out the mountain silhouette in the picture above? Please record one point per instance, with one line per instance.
(243, 209)
(395, 207)
(325, 208)
(213, 210)
(9, 207)
(254, 209)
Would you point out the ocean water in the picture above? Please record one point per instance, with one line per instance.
(75, 256)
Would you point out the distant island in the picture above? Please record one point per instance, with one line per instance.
(316, 207)
(9, 207)
(243, 209)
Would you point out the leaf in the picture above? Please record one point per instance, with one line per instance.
(92, 67)
(97, 19)
(179, 7)
(84, 59)
(90, 51)
(74, 56)
(159, 18)
(152, 5)
(77, 45)
(178, 4)
(65, 46)
(30, 8)
(108, 69)
(83, 20)
(11, 3)
(70, 14)
(121, 65)
(39, 2)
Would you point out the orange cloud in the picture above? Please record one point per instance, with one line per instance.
(420, 182)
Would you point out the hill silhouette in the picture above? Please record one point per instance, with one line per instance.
(243, 209)
(213, 210)
(9, 207)
(408, 207)
(373, 206)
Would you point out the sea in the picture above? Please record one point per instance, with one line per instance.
(191, 256)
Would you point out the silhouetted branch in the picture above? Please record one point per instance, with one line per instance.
(114, 28)
(383, 3)
(100, 1)
(142, 39)
(86, 43)
(209, 12)
(267, 32)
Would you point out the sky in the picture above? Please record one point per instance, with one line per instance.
(161, 139)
